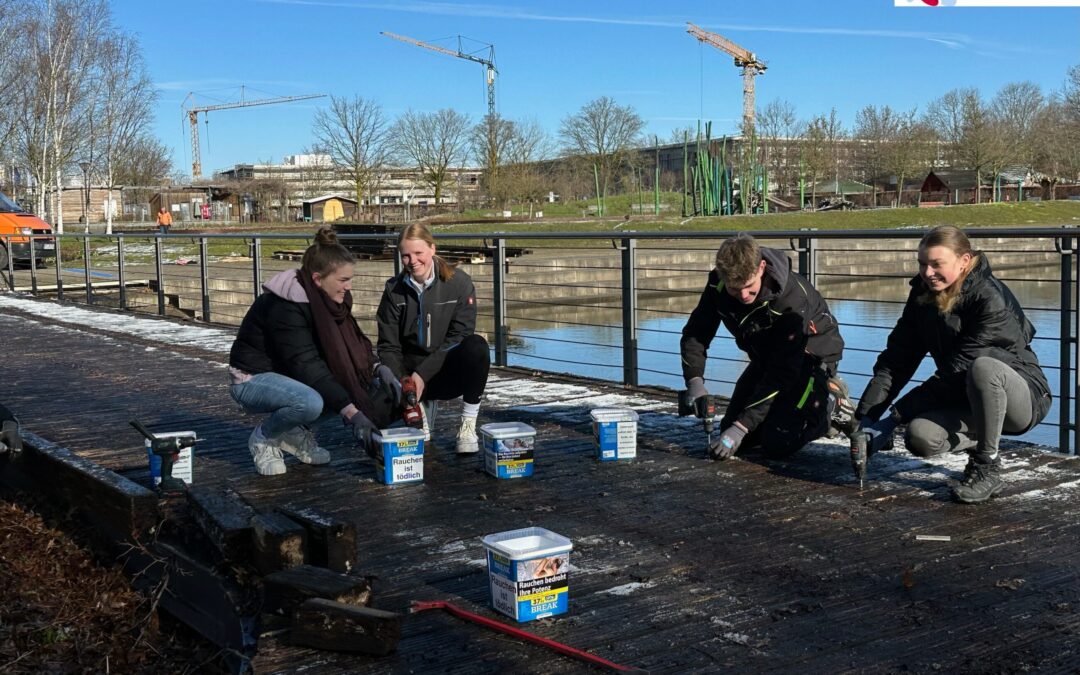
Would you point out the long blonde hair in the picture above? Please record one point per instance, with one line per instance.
(954, 239)
(420, 231)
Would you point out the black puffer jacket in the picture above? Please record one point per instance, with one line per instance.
(278, 335)
(416, 331)
(985, 321)
(788, 321)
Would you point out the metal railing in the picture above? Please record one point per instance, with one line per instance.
(609, 305)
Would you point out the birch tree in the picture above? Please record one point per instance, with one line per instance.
(120, 109)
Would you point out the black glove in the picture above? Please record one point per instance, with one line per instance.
(362, 428)
(389, 383)
(728, 443)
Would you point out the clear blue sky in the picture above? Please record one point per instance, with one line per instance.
(553, 57)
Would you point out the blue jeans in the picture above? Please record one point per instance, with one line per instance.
(290, 403)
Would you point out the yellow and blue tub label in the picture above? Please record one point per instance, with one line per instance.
(529, 589)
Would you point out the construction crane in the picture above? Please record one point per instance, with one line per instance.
(488, 63)
(744, 59)
(193, 119)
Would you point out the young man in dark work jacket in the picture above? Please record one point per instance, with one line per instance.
(784, 398)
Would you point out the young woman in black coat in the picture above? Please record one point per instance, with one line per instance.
(301, 358)
(988, 381)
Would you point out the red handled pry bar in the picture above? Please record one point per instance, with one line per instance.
(422, 606)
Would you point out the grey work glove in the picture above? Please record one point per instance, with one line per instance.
(728, 443)
(695, 389)
(389, 383)
(362, 428)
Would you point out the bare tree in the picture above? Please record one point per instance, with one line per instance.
(433, 142)
(875, 129)
(777, 131)
(945, 116)
(12, 68)
(120, 110)
(816, 153)
(517, 145)
(525, 176)
(602, 133)
(981, 145)
(354, 133)
(63, 47)
(911, 151)
(488, 141)
(1016, 108)
(142, 166)
(833, 130)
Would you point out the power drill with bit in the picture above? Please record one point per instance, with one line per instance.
(168, 449)
(703, 407)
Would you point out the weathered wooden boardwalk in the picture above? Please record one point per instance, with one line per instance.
(679, 564)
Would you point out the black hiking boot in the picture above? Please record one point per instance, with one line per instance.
(982, 480)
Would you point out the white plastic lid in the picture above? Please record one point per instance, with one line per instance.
(529, 542)
(398, 434)
(507, 430)
(613, 415)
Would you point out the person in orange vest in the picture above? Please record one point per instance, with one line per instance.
(164, 220)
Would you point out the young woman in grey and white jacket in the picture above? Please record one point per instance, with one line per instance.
(427, 324)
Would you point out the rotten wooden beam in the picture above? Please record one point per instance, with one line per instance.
(331, 543)
(325, 624)
(226, 521)
(104, 497)
(286, 590)
(279, 542)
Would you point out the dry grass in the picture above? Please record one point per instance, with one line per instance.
(62, 612)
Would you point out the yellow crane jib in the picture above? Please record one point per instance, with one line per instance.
(744, 59)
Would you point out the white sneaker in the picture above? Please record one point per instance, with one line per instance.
(428, 411)
(267, 455)
(467, 443)
(300, 443)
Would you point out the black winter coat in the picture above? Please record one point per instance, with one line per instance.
(417, 330)
(985, 321)
(787, 323)
(278, 335)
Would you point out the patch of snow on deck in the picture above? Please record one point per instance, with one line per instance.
(147, 328)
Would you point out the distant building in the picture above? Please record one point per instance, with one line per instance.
(311, 176)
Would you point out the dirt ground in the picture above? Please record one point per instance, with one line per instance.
(61, 611)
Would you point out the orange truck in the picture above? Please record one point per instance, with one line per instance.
(19, 231)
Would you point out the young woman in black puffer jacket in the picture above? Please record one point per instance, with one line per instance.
(988, 380)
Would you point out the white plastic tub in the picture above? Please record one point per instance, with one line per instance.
(528, 571)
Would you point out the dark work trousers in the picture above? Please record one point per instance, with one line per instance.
(798, 415)
(464, 373)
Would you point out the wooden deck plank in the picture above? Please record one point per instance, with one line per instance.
(680, 564)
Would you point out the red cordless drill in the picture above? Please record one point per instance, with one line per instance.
(411, 413)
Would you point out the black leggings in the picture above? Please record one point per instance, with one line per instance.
(464, 372)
